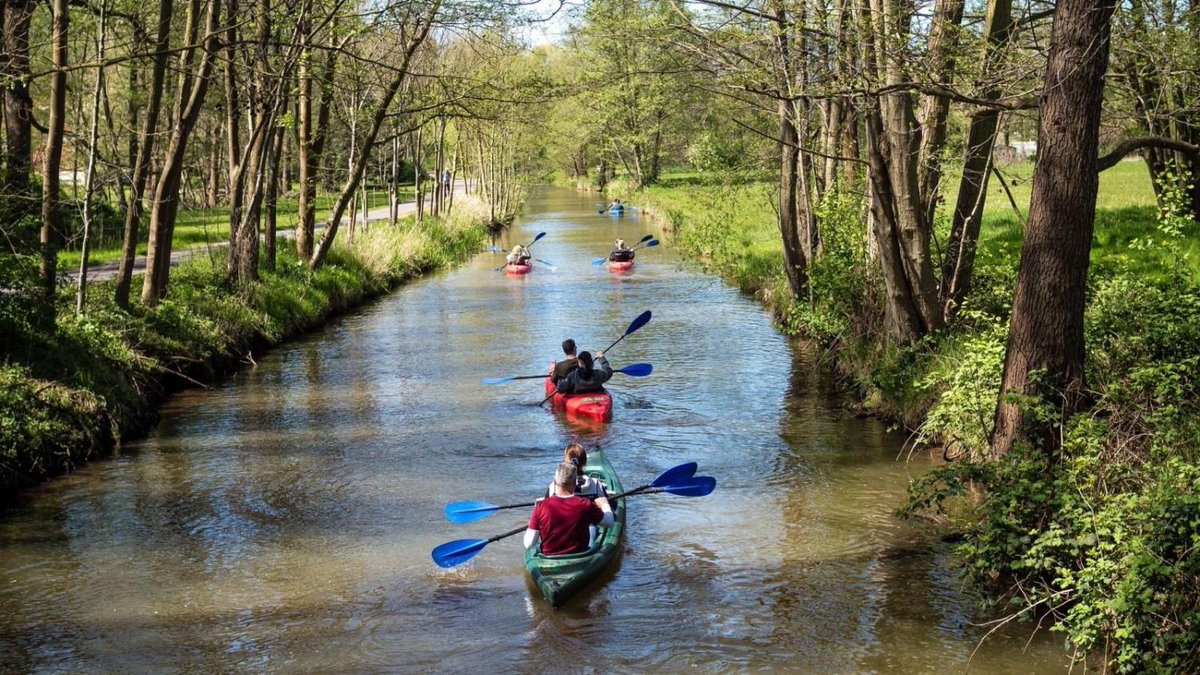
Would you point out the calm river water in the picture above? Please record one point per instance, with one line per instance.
(283, 521)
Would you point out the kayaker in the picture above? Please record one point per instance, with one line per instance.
(589, 377)
(621, 252)
(561, 521)
(585, 486)
(519, 256)
(563, 368)
(616, 205)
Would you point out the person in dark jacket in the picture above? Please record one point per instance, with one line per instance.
(621, 253)
(563, 368)
(589, 377)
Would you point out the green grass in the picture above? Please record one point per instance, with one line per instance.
(1126, 236)
(1126, 233)
(203, 227)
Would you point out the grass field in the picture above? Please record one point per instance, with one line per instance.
(202, 227)
(747, 244)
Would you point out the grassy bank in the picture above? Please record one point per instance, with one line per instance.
(76, 394)
(1102, 539)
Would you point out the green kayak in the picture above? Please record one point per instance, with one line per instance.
(562, 576)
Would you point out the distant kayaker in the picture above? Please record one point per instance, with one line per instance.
(621, 252)
(561, 521)
(589, 377)
(563, 368)
(519, 256)
(616, 205)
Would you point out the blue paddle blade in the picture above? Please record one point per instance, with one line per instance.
(675, 474)
(652, 243)
(646, 238)
(540, 235)
(696, 486)
(599, 261)
(457, 552)
(642, 320)
(497, 380)
(636, 370)
(469, 512)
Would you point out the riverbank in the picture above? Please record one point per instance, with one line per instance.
(79, 393)
(1082, 535)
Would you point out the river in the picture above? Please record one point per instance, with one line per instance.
(283, 520)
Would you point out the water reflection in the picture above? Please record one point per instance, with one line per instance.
(283, 521)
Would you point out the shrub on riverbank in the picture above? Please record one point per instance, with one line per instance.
(1104, 538)
(72, 395)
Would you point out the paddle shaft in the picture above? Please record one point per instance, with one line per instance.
(507, 534)
(628, 493)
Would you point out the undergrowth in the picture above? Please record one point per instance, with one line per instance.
(1100, 540)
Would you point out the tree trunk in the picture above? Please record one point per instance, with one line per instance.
(189, 99)
(236, 185)
(1046, 331)
(272, 199)
(311, 146)
(51, 235)
(902, 227)
(394, 184)
(943, 44)
(18, 106)
(145, 151)
(89, 190)
(794, 262)
(958, 266)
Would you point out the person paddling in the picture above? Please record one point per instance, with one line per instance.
(519, 256)
(563, 368)
(621, 252)
(589, 377)
(585, 485)
(561, 521)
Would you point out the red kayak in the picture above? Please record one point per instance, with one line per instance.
(594, 406)
(513, 268)
(620, 266)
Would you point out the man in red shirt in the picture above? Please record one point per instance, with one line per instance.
(562, 520)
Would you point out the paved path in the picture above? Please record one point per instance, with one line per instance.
(106, 271)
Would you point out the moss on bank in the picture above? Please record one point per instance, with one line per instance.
(78, 393)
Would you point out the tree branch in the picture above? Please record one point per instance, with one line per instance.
(1127, 146)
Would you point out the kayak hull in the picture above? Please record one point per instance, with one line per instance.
(620, 266)
(517, 269)
(594, 406)
(560, 578)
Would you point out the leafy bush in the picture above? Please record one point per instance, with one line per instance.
(1104, 535)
